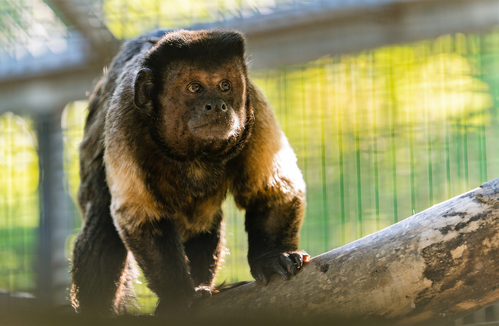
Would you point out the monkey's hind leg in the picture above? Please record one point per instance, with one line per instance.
(204, 253)
(100, 273)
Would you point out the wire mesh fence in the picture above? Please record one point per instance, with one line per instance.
(379, 135)
(18, 203)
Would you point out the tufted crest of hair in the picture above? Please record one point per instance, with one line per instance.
(207, 47)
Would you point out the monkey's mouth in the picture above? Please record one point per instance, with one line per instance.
(204, 124)
(208, 121)
(214, 128)
(218, 121)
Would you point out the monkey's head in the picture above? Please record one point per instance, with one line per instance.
(193, 87)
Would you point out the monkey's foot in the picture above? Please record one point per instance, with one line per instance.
(283, 263)
(202, 292)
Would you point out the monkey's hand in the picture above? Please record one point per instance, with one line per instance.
(283, 263)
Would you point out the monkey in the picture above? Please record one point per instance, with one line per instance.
(174, 125)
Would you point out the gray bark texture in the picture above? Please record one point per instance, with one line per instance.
(430, 268)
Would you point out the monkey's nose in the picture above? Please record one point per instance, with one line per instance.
(216, 105)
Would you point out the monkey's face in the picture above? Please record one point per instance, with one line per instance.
(207, 104)
(202, 110)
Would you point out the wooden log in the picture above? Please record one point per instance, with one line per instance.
(433, 267)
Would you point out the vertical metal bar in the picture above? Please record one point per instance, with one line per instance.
(393, 147)
(375, 140)
(460, 49)
(53, 277)
(429, 129)
(410, 124)
(357, 113)
(482, 137)
(464, 126)
(341, 169)
(322, 108)
(445, 129)
(356, 127)
(304, 150)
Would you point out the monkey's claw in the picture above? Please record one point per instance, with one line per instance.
(285, 264)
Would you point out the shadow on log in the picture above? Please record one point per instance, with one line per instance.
(433, 267)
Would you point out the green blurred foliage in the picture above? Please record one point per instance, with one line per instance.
(18, 202)
(379, 135)
(371, 130)
(73, 120)
(130, 18)
(18, 170)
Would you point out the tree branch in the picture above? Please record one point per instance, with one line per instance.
(435, 266)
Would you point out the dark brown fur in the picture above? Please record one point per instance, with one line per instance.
(157, 162)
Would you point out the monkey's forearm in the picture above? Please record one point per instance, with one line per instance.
(274, 224)
(273, 238)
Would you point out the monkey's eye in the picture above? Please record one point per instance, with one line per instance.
(224, 85)
(195, 88)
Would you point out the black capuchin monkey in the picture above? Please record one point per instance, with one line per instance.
(173, 125)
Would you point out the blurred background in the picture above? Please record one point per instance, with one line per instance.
(391, 107)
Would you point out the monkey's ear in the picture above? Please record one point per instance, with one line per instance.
(239, 44)
(143, 88)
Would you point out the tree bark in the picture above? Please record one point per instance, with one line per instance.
(433, 267)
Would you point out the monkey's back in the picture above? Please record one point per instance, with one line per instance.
(93, 189)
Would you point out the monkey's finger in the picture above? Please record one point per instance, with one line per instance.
(263, 278)
(297, 259)
(281, 271)
(290, 265)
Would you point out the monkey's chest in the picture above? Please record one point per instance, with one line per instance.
(193, 198)
(198, 215)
